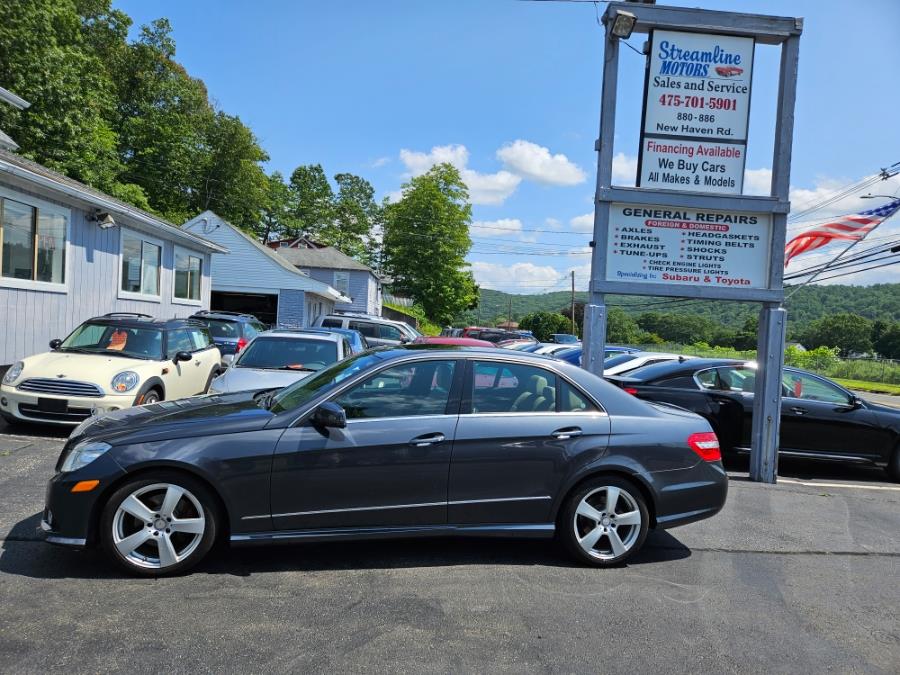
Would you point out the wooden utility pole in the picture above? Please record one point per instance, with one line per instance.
(574, 331)
(509, 315)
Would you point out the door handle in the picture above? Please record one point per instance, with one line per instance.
(798, 411)
(426, 440)
(565, 434)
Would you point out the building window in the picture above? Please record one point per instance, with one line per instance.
(342, 283)
(33, 242)
(141, 261)
(188, 273)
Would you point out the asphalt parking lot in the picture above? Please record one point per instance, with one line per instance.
(803, 574)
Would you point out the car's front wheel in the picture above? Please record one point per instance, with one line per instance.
(158, 524)
(604, 521)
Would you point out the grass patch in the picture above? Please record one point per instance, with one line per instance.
(872, 387)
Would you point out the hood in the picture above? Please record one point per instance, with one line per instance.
(222, 413)
(245, 379)
(95, 368)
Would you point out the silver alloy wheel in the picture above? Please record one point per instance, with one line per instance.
(158, 526)
(150, 397)
(607, 522)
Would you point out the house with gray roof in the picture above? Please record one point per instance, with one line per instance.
(69, 252)
(330, 266)
(254, 279)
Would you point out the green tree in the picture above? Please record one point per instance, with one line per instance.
(680, 328)
(355, 212)
(314, 200)
(277, 217)
(231, 181)
(46, 57)
(426, 239)
(888, 343)
(622, 329)
(545, 324)
(747, 337)
(848, 332)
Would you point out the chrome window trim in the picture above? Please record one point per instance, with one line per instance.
(399, 506)
(579, 413)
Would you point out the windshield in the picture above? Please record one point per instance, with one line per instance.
(300, 392)
(618, 360)
(223, 329)
(285, 353)
(101, 338)
(565, 338)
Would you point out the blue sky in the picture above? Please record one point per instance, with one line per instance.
(509, 91)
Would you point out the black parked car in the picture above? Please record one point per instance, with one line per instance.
(231, 331)
(362, 449)
(819, 418)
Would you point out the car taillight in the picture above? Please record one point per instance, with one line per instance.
(706, 445)
(631, 390)
(241, 343)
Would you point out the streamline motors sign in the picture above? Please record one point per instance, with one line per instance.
(696, 109)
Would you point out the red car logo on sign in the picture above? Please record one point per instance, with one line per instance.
(729, 71)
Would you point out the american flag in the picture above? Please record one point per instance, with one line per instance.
(854, 227)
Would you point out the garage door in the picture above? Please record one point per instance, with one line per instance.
(263, 306)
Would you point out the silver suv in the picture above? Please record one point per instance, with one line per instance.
(377, 330)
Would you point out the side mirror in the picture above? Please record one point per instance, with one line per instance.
(856, 402)
(404, 340)
(330, 415)
(182, 356)
(55, 344)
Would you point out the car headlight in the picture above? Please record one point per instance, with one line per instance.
(83, 454)
(13, 373)
(125, 381)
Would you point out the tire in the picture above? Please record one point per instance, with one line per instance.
(151, 396)
(187, 531)
(588, 532)
(893, 467)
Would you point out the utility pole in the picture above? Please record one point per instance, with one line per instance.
(509, 315)
(574, 331)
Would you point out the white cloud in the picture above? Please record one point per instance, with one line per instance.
(394, 196)
(757, 181)
(484, 188)
(553, 223)
(497, 228)
(624, 170)
(381, 161)
(583, 223)
(534, 162)
(526, 278)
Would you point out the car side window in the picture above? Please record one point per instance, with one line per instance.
(709, 379)
(331, 323)
(389, 332)
(512, 388)
(370, 330)
(250, 331)
(682, 382)
(800, 385)
(572, 400)
(179, 341)
(347, 349)
(738, 379)
(200, 338)
(408, 390)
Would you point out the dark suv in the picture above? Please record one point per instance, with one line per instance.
(231, 331)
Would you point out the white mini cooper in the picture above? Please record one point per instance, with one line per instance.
(110, 362)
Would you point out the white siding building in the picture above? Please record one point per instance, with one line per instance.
(255, 279)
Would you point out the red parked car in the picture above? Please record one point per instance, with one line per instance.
(729, 71)
(454, 341)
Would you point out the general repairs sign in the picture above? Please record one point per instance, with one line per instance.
(685, 246)
(696, 109)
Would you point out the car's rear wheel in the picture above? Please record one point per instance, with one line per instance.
(158, 524)
(604, 521)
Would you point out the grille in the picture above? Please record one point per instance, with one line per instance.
(60, 387)
(73, 415)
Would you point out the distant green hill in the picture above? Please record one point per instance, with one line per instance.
(881, 301)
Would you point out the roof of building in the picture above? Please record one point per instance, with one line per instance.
(328, 258)
(317, 286)
(33, 173)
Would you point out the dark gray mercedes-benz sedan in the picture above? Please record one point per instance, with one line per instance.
(398, 442)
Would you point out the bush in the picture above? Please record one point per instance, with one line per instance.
(544, 324)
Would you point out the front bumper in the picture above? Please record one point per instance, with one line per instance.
(69, 517)
(25, 406)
